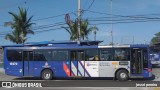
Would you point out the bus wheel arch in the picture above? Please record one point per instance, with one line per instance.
(47, 74)
(122, 74)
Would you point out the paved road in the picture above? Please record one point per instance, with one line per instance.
(155, 71)
(80, 84)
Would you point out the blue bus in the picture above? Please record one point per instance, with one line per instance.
(155, 58)
(69, 59)
(155, 54)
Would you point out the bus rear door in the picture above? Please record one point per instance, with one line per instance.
(28, 63)
(136, 62)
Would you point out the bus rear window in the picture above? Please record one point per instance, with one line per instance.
(14, 55)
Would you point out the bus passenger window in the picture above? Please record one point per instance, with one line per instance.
(106, 55)
(92, 55)
(80, 55)
(122, 54)
(60, 55)
(42, 55)
(14, 55)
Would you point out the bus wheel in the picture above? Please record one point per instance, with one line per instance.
(47, 74)
(122, 75)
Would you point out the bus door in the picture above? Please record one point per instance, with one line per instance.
(136, 61)
(27, 63)
(77, 63)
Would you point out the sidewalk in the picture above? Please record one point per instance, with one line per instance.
(1, 70)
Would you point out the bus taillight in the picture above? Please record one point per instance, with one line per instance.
(149, 70)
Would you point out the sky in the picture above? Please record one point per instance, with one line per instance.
(98, 14)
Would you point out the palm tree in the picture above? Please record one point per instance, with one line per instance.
(21, 27)
(14, 37)
(73, 30)
(86, 30)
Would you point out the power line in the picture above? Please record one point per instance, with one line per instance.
(118, 21)
(48, 17)
(127, 19)
(131, 16)
(37, 32)
(90, 5)
(123, 22)
(48, 26)
(53, 16)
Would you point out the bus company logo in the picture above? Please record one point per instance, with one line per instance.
(91, 64)
(46, 65)
(6, 84)
(13, 63)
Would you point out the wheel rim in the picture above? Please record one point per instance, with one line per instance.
(47, 75)
(123, 75)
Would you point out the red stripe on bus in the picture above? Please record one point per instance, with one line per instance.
(65, 68)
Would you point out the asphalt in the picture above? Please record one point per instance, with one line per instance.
(84, 83)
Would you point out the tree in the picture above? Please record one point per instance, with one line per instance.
(86, 30)
(73, 29)
(21, 26)
(155, 39)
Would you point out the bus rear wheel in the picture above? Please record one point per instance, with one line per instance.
(47, 74)
(122, 75)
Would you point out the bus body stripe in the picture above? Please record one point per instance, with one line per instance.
(74, 71)
(85, 69)
(79, 72)
(66, 69)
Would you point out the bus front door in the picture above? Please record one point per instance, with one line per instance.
(27, 65)
(77, 63)
(136, 62)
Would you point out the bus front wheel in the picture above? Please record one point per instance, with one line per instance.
(47, 74)
(122, 75)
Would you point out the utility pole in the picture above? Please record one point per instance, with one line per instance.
(95, 32)
(79, 21)
(133, 40)
(111, 21)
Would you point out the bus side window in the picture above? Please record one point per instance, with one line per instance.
(14, 55)
(40, 55)
(80, 55)
(121, 54)
(92, 55)
(106, 55)
(59, 55)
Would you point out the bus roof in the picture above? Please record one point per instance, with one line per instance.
(66, 44)
(54, 43)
